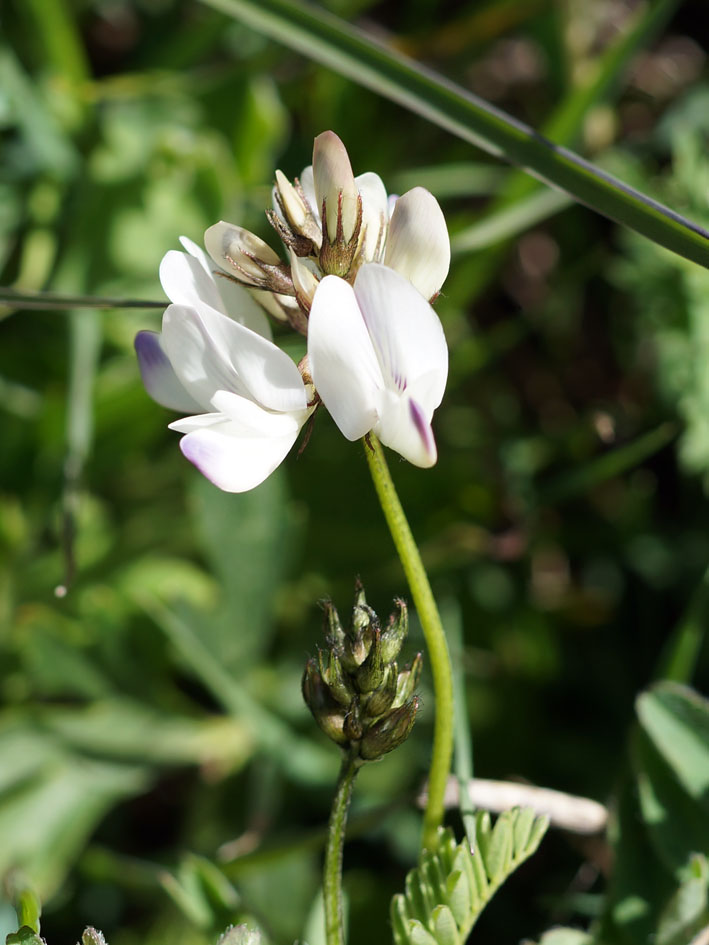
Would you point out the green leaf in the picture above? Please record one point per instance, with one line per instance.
(247, 539)
(320, 35)
(303, 759)
(451, 886)
(24, 936)
(685, 914)
(677, 824)
(46, 818)
(676, 719)
(127, 730)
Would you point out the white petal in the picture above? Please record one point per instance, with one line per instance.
(375, 215)
(307, 182)
(254, 420)
(188, 424)
(243, 308)
(403, 426)
(406, 333)
(417, 244)
(187, 282)
(158, 376)
(235, 457)
(197, 351)
(342, 360)
(236, 300)
(211, 351)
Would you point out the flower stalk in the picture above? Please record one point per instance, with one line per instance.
(332, 876)
(434, 635)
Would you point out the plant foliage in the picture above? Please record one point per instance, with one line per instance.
(452, 885)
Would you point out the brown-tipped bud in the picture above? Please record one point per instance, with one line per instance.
(336, 636)
(326, 711)
(294, 207)
(335, 189)
(247, 258)
(357, 647)
(370, 674)
(296, 223)
(395, 633)
(360, 599)
(382, 699)
(300, 245)
(389, 732)
(353, 728)
(334, 678)
(407, 680)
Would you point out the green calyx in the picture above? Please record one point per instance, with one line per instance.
(354, 688)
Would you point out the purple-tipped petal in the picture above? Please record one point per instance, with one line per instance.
(158, 376)
(232, 461)
(404, 426)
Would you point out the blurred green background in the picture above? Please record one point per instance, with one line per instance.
(159, 774)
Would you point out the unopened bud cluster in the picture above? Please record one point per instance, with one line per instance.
(325, 224)
(354, 688)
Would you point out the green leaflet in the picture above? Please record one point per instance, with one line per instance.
(451, 886)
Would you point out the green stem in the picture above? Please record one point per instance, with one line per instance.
(332, 876)
(433, 632)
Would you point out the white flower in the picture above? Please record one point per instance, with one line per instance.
(248, 395)
(379, 359)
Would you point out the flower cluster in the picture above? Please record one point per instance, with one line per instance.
(362, 270)
(354, 689)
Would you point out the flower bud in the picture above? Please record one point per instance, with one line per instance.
(304, 281)
(335, 189)
(408, 680)
(395, 633)
(382, 699)
(339, 200)
(247, 256)
(370, 674)
(92, 936)
(326, 712)
(353, 728)
(336, 636)
(389, 732)
(356, 694)
(290, 201)
(334, 677)
(296, 223)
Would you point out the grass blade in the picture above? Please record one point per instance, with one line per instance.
(321, 36)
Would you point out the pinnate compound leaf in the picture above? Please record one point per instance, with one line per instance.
(447, 892)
